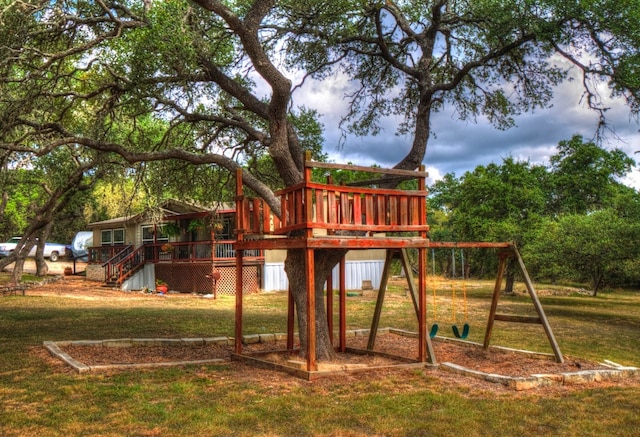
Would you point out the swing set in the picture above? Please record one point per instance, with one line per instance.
(504, 252)
(454, 327)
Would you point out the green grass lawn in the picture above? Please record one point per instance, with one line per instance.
(40, 397)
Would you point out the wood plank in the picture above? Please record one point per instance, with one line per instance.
(332, 207)
(239, 297)
(403, 213)
(311, 311)
(375, 321)
(494, 301)
(343, 304)
(356, 204)
(299, 208)
(361, 190)
(266, 218)
(255, 216)
(369, 211)
(414, 208)
(291, 307)
(381, 210)
(284, 211)
(388, 171)
(345, 210)
(393, 211)
(538, 306)
(320, 206)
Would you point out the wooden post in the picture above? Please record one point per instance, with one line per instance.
(343, 305)
(291, 306)
(330, 305)
(239, 254)
(381, 292)
(311, 310)
(494, 301)
(538, 306)
(410, 283)
(425, 348)
(239, 297)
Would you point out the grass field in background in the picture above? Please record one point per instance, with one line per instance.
(39, 397)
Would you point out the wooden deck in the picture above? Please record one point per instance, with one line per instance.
(329, 216)
(326, 216)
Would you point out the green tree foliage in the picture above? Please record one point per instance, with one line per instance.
(492, 203)
(209, 82)
(487, 58)
(21, 190)
(585, 176)
(531, 205)
(595, 247)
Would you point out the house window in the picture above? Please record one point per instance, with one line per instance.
(148, 234)
(118, 237)
(107, 237)
(112, 237)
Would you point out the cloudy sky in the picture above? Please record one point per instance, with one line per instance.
(461, 146)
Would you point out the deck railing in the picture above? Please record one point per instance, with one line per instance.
(110, 266)
(124, 260)
(310, 205)
(102, 254)
(175, 252)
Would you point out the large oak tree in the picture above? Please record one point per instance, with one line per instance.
(220, 74)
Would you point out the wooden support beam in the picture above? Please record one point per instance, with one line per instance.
(312, 364)
(291, 306)
(425, 348)
(494, 300)
(239, 253)
(538, 306)
(343, 305)
(512, 252)
(375, 321)
(239, 297)
(408, 273)
(330, 305)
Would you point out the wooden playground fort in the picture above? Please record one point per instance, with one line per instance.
(357, 217)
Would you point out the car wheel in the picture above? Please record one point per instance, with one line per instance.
(53, 257)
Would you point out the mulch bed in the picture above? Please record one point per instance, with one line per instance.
(497, 361)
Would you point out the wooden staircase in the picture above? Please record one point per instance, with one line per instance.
(123, 265)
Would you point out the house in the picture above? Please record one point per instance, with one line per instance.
(184, 245)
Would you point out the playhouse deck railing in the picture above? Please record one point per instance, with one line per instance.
(310, 206)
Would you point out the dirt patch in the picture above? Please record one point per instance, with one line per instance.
(495, 361)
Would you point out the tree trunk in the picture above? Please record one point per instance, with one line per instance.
(510, 276)
(41, 266)
(597, 282)
(325, 261)
(18, 269)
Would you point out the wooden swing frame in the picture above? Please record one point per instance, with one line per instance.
(506, 250)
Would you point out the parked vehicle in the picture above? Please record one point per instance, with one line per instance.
(53, 251)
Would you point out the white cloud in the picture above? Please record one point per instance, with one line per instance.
(459, 146)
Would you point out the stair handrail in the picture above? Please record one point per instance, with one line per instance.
(109, 264)
(136, 258)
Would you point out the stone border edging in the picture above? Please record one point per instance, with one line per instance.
(613, 371)
(11, 288)
(54, 349)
